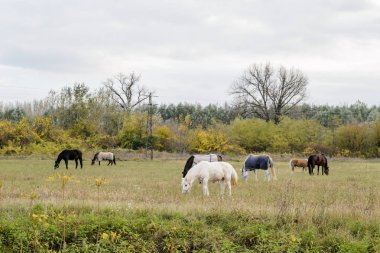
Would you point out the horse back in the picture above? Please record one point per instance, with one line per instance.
(257, 162)
(299, 162)
(71, 154)
(105, 156)
(318, 159)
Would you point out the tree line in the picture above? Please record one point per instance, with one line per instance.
(116, 116)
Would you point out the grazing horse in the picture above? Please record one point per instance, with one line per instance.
(194, 159)
(319, 160)
(263, 162)
(302, 163)
(205, 172)
(67, 155)
(100, 156)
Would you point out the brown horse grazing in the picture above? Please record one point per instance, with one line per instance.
(319, 160)
(302, 163)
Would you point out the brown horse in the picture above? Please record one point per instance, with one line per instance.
(319, 160)
(302, 163)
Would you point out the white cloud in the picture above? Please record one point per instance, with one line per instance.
(189, 50)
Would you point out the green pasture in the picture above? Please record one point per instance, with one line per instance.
(352, 188)
(140, 208)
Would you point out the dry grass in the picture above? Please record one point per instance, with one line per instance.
(351, 190)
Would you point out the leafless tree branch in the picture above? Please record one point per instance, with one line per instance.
(267, 93)
(125, 91)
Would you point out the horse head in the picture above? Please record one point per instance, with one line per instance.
(94, 159)
(186, 185)
(56, 165)
(244, 173)
(326, 169)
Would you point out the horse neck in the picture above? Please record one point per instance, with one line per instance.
(192, 175)
(95, 157)
(59, 158)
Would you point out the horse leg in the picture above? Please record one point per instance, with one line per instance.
(76, 163)
(67, 163)
(311, 169)
(204, 187)
(221, 186)
(256, 179)
(267, 175)
(229, 187)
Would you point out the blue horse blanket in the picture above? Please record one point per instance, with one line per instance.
(257, 162)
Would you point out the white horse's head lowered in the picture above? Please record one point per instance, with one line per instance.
(186, 185)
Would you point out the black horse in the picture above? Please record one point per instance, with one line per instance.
(67, 155)
(194, 159)
(319, 160)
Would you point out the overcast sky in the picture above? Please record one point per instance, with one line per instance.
(189, 50)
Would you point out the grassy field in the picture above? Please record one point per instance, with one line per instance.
(350, 193)
(352, 188)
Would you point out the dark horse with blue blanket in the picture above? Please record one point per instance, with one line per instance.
(319, 160)
(67, 155)
(261, 162)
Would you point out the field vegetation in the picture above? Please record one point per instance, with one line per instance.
(138, 206)
(76, 117)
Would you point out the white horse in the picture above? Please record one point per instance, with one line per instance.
(100, 156)
(204, 172)
(194, 159)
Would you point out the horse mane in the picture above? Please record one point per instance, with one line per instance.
(96, 155)
(188, 165)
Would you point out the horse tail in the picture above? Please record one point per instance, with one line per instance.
(310, 164)
(271, 165)
(234, 177)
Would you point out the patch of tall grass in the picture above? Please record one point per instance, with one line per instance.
(141, 208)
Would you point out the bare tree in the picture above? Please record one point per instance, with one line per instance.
(267, 93)
(125, 91)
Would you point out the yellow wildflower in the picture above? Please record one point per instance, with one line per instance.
(105, 236)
